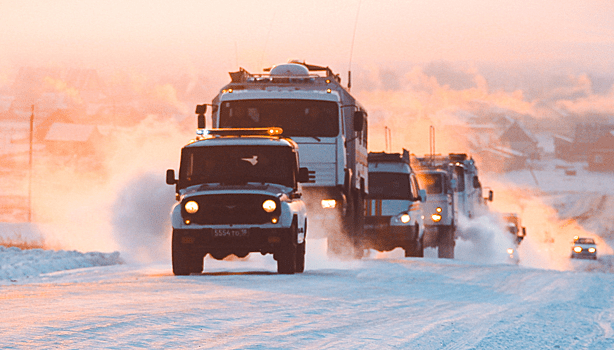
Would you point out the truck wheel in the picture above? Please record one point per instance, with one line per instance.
(185, 260)
(416, 250)
(446, 243)
(287, 255)
(300, 257)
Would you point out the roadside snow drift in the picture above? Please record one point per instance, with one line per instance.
(17, 264)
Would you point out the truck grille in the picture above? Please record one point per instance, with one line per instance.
(225, 209)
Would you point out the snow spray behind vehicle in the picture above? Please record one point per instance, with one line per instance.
(312, 107)
(453, 190)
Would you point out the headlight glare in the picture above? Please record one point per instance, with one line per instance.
(405, 218)
(577, 249)
(191, 207)
(592, 250)
(436, 217)
(328, 203)
(269, 205)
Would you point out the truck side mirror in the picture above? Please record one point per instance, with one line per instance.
(305, 175)
(422, 195)
(359, 120)
(201, 110)
(170, 177)
(490, 195)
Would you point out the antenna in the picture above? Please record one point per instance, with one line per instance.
(388, 135)
(352, 47)
(432, 142)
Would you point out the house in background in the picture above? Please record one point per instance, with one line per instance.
(587, 139)
(518, 139)
(72, 139)
(601, 156)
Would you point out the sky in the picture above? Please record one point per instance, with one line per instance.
(159, 36)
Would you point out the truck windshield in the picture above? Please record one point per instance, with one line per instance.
(296, 117)
(433, 183)
(236, 165)
(389, 186)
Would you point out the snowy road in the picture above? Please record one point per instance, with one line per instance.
(404, 303)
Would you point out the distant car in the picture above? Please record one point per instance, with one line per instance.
(584, 248)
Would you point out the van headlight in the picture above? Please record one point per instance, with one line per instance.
(436, 217)
(191, 207)
(328, 203)
(269, 205)
(403, 218)
(577, 249)
(592, 250)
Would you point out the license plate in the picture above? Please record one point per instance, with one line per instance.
(228, 232)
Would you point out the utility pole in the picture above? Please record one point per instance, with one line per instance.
(30, 176)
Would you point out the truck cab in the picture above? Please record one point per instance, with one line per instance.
(393, 208)
(239, 192)
(328, 124)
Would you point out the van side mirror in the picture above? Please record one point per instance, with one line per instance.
(359, 120)
(170, 177)
(476, 182)
(201, 110)
(422, 195)
(305, 175)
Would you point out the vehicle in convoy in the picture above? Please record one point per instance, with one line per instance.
(238, 192)
(453, 190)
(393, 212)
(312, 107)
(584, 248)
(513, 226)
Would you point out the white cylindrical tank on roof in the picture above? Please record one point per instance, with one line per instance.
(289, 69)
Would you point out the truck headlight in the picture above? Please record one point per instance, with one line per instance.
(439, 210)
(592, 250)
(191, 207)
(269, 205)
(577, 249)
(436, 217)
(328, 203)
(405, 218)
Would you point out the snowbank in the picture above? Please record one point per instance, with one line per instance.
(16, 264)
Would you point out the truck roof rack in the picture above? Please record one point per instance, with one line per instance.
(272, 131)
(389, 157)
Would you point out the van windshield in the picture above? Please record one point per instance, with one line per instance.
(309, 118)
(235, 165)
(389, 186)
(433, 183)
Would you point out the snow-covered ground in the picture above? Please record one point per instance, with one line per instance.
(480, 300)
